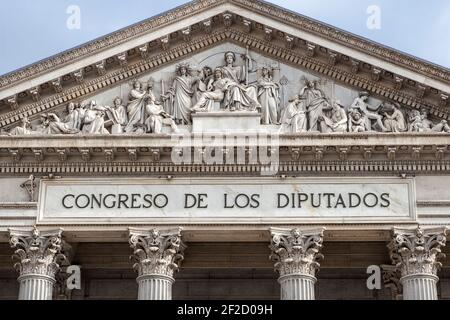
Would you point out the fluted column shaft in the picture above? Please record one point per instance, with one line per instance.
(39, 257)
(297, 287)
(416, 254)
(157, 255)
(155, 287)
(295, 253)
(420, 287)
(36, 287)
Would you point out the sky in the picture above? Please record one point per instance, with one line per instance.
(31, 30)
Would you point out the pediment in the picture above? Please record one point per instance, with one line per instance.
(301, 46)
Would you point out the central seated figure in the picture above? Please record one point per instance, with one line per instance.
(229, 89)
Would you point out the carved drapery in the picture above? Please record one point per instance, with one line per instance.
(416, 254)
(39, 260)
(295, 254)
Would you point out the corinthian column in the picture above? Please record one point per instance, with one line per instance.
(295, 253)
(416, 254)
(39, 257)
(157, 255)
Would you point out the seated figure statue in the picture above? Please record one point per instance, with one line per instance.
(239, 96)
(156, 116)
(336, 121)
(206, 99)
(369, 112)
(294, 118)
(357, 122)
(394, 119)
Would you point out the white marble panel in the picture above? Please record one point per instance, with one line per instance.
(230, 201)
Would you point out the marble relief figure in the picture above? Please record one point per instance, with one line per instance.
(357, 122)
(316, 104)
(294, 119)
(394, 120)
(269, 97)
(23, 129)
(157, 118)
(336, 120)
(227, 89)
(94, 119)
(238, 95)
(117, 116)
(181, 94)
(416, 123)
(135, 108)
(207, 99)
(368, 112)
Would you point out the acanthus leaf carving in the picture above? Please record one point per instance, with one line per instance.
(157, 252)
(38, 253)
(296, 251)
(418, 251)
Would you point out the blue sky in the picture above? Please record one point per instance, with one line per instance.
(31, 30)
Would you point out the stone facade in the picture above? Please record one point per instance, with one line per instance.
(247, 142)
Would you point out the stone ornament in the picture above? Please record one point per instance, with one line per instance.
(418, 251)
(294, 118)
(269, 97)
(227, 89)
(30, 186)
(391, 280)
(38, 253)
(297, 252)
(156, 252)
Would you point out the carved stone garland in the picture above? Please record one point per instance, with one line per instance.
(157, 256)
(296, 254)
(39, 259)
(416, 253)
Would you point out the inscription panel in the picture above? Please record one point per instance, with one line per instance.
(226, 201)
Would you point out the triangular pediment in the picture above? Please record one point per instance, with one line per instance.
(154, 46)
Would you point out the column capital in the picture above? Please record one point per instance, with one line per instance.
(156, 252)
(417, 251)
(296, 251)
(391, 280)
(38, 252)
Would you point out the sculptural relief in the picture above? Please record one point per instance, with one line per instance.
(207, 99)
(336, 121)
(443, 126)
(416, 123)
(135, 108)
(181, 94)
(239, 96)
(23, 129)
(294, 119)
(369, 112)
(117, 116)
(269, 97)
(321, 106)
(316, 104)
(394, 120)
(94, 119)
(357, 122)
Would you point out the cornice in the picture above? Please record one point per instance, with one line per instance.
(348, 39)
(190, 9)
(301, 154)
(292, 57)
(107, 41)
